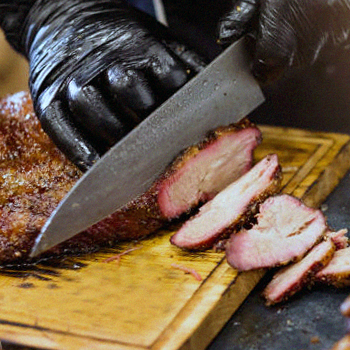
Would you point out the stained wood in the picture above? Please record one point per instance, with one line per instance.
(142, 301)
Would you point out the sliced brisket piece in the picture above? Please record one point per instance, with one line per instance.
(286, 230)
(292, 278)
(337, 272)
(339, 238)
(228, 209)
(35, 176)
(204, 170)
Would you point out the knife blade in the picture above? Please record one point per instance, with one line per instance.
(223, 93)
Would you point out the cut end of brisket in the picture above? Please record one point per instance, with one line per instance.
(228, 208)
(286, 230)
(204, 170)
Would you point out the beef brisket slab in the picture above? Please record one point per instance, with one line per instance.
(229, 208)
(286, 230)
(35, 176)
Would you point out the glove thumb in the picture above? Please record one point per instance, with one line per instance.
(276, 44)
(237, 22)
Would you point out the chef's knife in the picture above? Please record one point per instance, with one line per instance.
(223, 93)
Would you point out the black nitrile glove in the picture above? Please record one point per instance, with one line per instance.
(288, 33)
(97, 67)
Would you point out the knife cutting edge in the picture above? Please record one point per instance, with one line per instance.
(223, 93)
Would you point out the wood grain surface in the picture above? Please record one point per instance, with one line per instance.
(143, 300)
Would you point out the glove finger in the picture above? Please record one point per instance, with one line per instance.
(164, 35)
(165, 71)
(130, 89)
(237, 22)
(93, 115)
(67, 138)
(191, 59)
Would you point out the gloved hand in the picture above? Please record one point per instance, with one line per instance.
(97, 67)
(288, 33)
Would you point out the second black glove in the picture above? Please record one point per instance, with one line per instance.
(288, 33)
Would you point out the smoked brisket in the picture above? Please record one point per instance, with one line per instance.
(35, 176)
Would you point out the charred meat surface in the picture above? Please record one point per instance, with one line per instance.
(286, 230)
(220, 215)
(337, 272)
(35, 176)
(292, 278)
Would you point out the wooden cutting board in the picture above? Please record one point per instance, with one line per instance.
(143, 301)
